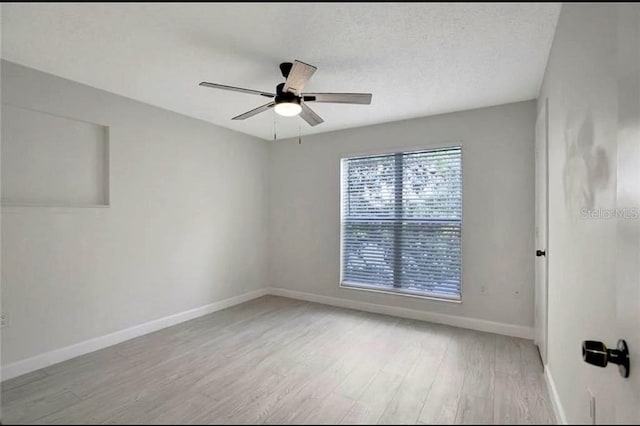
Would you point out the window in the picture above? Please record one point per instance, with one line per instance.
(401, 222)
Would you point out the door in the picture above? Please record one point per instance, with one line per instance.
(541, 181)
(627, 323)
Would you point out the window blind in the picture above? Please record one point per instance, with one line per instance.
(401, 222)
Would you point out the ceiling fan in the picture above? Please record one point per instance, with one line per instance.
(289, 100)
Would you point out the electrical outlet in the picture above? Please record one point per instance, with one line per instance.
(592, 407)
(4, 320)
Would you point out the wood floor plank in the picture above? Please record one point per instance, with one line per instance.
(443, 399)
(406, 405)
(298, 407)
(540, 408)
(475, 410)
(531, 364)
(329, 411)
(405, 354)
(508, 355)
(90, 370)
(522, 400)
(357, 380)
(280, 361)
(510, 404)
(37, 408)
(480, 371)
(25, 379)
(168, 406)
(371, 405)
(256, 404)
(379, 342)
(181, 409)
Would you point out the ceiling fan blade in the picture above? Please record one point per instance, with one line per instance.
(310, 116)
(338, 98)
(298, 76)
(255, 111)
(237, 89)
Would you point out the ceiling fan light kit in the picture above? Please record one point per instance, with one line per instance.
(287, 103)
(289, 100)
(288, 109)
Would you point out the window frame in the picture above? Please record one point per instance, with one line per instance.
(342, 284)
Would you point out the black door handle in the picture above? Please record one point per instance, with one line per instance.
(596, 353)
(541, 253)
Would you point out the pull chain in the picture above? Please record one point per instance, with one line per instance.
(274, 128)
(299, 135)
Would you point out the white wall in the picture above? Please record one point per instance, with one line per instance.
(186, 226)
(191, 205)
(581, 83)
(498, 205)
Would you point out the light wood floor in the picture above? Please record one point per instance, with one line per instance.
(275, 360)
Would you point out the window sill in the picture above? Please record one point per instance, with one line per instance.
(375, 289)
(19, 208)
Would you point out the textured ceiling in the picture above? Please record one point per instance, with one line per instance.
(416, 59)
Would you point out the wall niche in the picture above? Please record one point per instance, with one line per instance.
(48, 160)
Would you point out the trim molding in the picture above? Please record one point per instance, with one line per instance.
(55, 356)
(453, 320)
(561, 418)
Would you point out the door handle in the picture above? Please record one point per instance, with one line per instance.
(541, 253)
(596, 353)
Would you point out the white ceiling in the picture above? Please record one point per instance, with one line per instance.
(416, 59)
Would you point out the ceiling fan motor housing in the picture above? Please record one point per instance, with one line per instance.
(282, 96)
(285, 68)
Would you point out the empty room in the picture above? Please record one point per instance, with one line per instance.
(320, 213)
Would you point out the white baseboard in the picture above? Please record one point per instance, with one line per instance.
(456, 321)
(561, 418)
(58, 355)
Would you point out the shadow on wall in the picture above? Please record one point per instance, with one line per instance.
(586, 168)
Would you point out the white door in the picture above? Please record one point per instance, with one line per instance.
(627, 323)
(540, 311)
